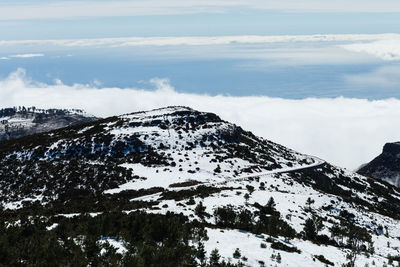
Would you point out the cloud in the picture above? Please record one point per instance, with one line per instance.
(26, 55)
(346, 132)
(263, 50)
(73, 9)
(388, 49)
(203, 40)
(357, 6)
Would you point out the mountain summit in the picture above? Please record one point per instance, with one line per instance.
(257, 202)
(386, 166)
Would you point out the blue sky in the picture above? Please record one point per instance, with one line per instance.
(235, 23)
(231, 23)
(95, 19)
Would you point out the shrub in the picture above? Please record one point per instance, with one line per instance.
(322, 259)
(281, 246)
(237, 254)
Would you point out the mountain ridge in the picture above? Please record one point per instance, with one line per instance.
(20, 121)
(176, 161)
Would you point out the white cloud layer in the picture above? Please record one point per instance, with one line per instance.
(363, 46)
(346, 132)
(26, 55)
(388, 49)
(205, 40)
(73, 9)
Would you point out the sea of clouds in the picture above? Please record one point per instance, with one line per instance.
(35, 9)
(346, 132)
(304, 49)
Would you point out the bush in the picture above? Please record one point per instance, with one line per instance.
(322, 259)
(281, 246)
(237, 254)
(243, 219)
(200, 211)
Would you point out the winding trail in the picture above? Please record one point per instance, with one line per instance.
(317, 163)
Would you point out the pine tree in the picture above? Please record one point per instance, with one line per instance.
(246, 197)
(270, 207)
(250, 189)
(214, 257)
(309, 202)
(200, 210)
(312, 226)
(237, 254)
(201, 252)
(278, 258)
(357, 236)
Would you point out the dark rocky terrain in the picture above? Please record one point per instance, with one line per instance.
(386, 166)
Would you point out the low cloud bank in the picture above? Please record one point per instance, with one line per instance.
(383, 47)
(27, 55)
(387, 49)
(387, 39)
(346, 132)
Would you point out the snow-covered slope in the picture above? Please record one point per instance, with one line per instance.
(18, 122)
(156, 148)
(180, 160)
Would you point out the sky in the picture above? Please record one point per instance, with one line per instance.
(321, 77)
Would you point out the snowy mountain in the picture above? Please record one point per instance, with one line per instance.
(260, 203)
(17, 122)
(386, 166)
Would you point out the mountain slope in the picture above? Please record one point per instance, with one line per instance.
(239, 187)
(163, 147)
(18, 122)
(386, 166)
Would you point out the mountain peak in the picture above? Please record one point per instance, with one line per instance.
(392, 148)
(163, 111)
(385, 166)
(165, 146)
